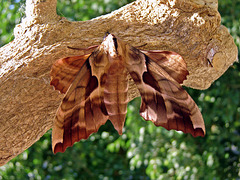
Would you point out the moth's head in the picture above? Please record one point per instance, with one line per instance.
(113, 45)
(108, 45)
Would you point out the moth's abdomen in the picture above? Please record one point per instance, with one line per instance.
(115, 95)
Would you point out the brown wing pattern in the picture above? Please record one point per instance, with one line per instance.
(164, 101)
(170, 62)
(97, 93)
(80, 113)
(182, 112)
(65, 70)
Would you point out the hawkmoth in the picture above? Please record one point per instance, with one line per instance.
(96, 85)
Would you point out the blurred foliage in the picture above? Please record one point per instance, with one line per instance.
(76, 10)
(10, 15)
(143, 151)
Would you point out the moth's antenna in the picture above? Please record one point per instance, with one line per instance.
(141, 45)
(209, 62)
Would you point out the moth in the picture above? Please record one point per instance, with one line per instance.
(96, 86)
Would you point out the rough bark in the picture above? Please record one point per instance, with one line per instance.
(28, 103)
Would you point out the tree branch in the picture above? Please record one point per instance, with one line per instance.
(28, 103)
